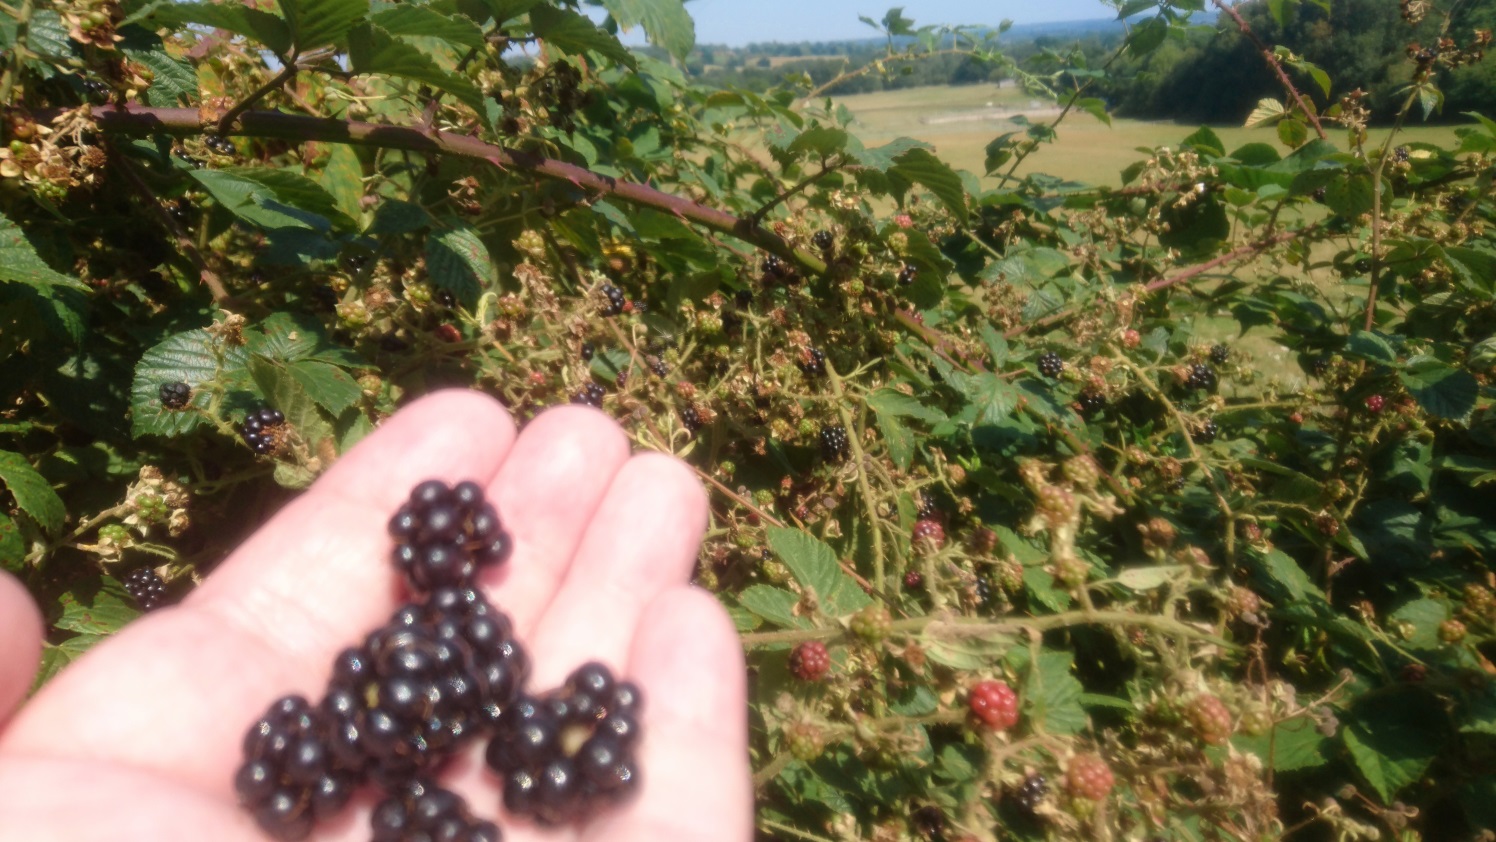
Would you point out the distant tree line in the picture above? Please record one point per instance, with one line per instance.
(1208, 74)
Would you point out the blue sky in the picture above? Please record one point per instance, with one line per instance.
(738, 22)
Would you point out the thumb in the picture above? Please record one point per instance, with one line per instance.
(20, 644)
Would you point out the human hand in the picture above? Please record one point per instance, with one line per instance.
(140, 738)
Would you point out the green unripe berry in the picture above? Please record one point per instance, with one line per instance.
(872, 623)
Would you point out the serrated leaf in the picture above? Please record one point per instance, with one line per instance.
(257, 204)
(189, 358)
(665, 22)
(1291, 745)
(97, 606)
(286, 393)
(923, 168)
(1371, 346)
(457, 261)
(1395, 740)
(1052, 694)
(235, 17)
(1148, 578)
(1267, 111)
(821, 141)
(57, 656)
(896, 403)
(427, 22)
(397, 217)
(174, 81)
(1441, 389)
(1286, 572)
(1349, 194)
(342, 178)
(964, 652)
(993, 398)
(319, 23)
(574, 34)
(289, 337)
(773, 604)
(12, 545)
(331, 387)
(1424, 615)
(814, 565)
(32, 492)
(372, 50)
(898, 438)
(20, 263)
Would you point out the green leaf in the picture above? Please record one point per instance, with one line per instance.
(331, 387)
(96, 606)
(20, 263)
(1052, 694)
(319, 23)
(574, 34)
(55, 657)
(190, 358)
(1286, 572)
(964, 652)
(773, 604)
(991, 398)
(814, 565)
(1371, 346)
(236, 17)
(899, 439)
(373, 50)
(286, 393)
(427, 22)
(665, 22)
(268, 198)
(290, 337)
(1291, 745)
(342, 178)
(1424, 615)
(1095, 107)
(12, 545)
(174, 82)
(1349, 194)
(1441, 389)
(457, 261)
(922, 167)
(1394, 740)
(32, 492)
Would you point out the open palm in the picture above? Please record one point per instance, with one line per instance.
(140, 738)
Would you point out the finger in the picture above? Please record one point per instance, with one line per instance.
(643, 541)
(695, 778)
(546, 493)
(20, 643)
(184, 683)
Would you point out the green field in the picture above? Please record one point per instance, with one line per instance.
(961, 121)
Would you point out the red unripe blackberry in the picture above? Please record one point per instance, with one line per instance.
(1088, 777)
(993, 704)
(1375, 404)
(1211, 718)
(913, 580)
(928, 533)
(810, 661)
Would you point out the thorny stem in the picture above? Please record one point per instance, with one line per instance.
(758, 215)
(960, 627)
(860, 458)
(288, 72)
(1277, 66)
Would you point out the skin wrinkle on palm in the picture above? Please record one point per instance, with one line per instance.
(186, 681)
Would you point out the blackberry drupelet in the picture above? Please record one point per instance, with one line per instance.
(443, 535)
(1050, 364)
(437, 674)
(591, 395)
(1219, 354)
(420, 811)
(145, 587)
(290, 778)
(565, 754)
(908, 274)
(834, 443)
(812, 362)
(259, 430)
(823, 240)
(1201, 378)
(616, 300)
(175, 395)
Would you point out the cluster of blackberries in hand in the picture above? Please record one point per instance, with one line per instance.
(1201, 378)
(144, 586)
(812, 362)
(175, 395)
(1050, 364)
(444, 670)
(567, 753)
(834, 443)
(259, 429)
(616, 300)
(591, 395)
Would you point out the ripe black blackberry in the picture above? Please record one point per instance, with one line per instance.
(658, 366)
(690, 418)
(834, 443)
(1207, 432)
(1029, 793)
(563, 755)
(616, 300)
(908, 274)
(1319, 366)
(1219, 354)
(587, 351)
(773, 268)
(437, 674)
(1050, 364)
(175, 395)
(823, 240)
(260, 428)
(290, 777)
(591, 395)
(982, 592)
(145, 587)
(928, 506)
(1091, 402)
(743, 298)
(420, 811)
(219, 144)
(1201, 378)
(443, 535)
(812, 362)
